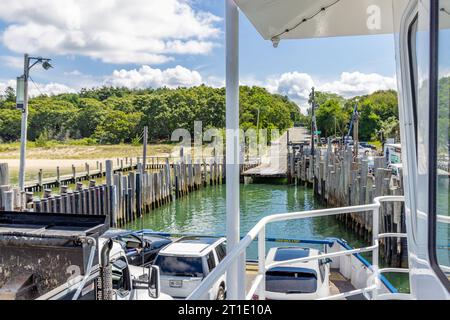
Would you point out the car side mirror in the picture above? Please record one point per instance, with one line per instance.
(154, 282)
(134, 245)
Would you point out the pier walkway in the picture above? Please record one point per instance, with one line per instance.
(275, 163)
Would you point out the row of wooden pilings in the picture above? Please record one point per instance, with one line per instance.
(125, 196)
(340, 180)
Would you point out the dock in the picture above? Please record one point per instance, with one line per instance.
(274, 164)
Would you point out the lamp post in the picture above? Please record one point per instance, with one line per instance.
(22, 104)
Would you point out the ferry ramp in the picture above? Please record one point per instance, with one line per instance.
(274, 163)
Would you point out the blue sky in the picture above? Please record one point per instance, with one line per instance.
(101, 44)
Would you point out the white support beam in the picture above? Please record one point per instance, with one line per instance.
(235, 288)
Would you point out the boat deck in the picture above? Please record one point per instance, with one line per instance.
(338, 283)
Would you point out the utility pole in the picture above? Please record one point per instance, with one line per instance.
(22, 103)
(356, 133)
(23, 127)
(314, 130)
(313, 122)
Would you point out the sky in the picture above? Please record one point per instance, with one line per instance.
(154, 43)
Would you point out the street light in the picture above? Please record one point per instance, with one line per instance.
(22, 104)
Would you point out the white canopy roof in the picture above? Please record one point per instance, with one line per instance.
(341, 18)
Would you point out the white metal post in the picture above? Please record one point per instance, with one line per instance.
(262, 263)
(376, 251)
(23, 130)
(234, 290)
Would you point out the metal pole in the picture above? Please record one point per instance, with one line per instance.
(262, 263)
(376, 251)
(313, 123)
(356, 133)
(236, 288)
(313, 132)
(23, 130)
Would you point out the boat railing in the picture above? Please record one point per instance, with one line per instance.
(258, 232)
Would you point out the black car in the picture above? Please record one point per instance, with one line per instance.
(141, 247)
(367, 145)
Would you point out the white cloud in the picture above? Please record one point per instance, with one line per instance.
(147, 77)
(12, 62)
(357, 83)
(74, 73)
(50, 89)
(297, 86)
(120, 31)
(6, 84)
(39, 89)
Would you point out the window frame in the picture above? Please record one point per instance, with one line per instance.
(221, 252)
(211, 257)
(433, 130)
(412, 57)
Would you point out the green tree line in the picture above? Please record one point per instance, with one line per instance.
(378, 115)
(114, 115)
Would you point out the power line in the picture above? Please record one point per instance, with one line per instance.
(36, 86)
(304, 20)
(445, 11)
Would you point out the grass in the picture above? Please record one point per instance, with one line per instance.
(74, 150)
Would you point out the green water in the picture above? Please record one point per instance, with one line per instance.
(204, 212)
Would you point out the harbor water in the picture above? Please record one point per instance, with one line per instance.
(204, 212)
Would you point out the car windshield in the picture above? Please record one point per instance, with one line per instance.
(180, 266)
(291, 281)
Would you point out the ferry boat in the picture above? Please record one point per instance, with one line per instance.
(422, 38)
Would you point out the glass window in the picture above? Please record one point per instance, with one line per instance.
(180, 266)
(211, 261)
(221, 252)
(442, 164)
(291, 280)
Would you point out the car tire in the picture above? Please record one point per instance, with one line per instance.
(221, 293)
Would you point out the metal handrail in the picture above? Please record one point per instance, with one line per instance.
(443, 219)
(259, 231)
(322, 256)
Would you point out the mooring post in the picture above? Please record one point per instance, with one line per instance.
(87, 171)
(9, 200)
(109, 172)
(4, 174)
(145, 142)
(40, 178)
(58, 176)
(74, 173)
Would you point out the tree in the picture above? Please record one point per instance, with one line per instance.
(118, 127)
(10, 120)
(55, 117)
(90, 115)
(10, 94)
(369, 123)
(331, 117)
